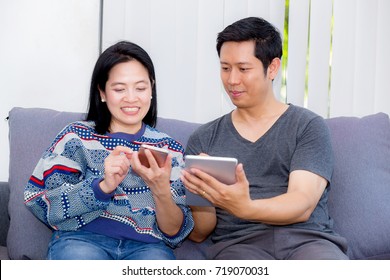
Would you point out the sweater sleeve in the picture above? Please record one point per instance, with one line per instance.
(60, 192)
(178, 194)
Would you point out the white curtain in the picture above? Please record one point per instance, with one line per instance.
(338, 56)
(337, 51)
(361, 58)
(180, 36)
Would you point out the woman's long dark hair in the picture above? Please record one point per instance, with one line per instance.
(123, 51)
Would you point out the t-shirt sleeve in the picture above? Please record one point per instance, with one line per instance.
(314, 149)
(194, 144)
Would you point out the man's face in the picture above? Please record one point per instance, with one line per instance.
(242, 74)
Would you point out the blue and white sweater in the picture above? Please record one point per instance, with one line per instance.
(63, 191)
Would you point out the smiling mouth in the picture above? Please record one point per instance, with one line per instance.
(130, 109)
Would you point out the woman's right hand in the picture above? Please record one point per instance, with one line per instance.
(116, 167)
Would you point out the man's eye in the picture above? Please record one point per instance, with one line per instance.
(225, 69)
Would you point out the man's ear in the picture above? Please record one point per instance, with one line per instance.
(273, 68)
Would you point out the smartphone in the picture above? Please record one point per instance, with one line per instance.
(221, 168)
(159, 154)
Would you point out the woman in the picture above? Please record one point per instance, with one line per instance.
(90, 186)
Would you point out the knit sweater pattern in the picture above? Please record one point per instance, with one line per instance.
(60, 191)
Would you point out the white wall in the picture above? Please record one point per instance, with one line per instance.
(47, 51)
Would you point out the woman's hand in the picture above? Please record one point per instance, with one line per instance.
(169, 216)
(157, 178)
(116, 167)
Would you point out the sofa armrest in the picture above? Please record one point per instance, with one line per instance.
(4, 217)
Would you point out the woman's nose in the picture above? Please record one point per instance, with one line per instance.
(129, 95)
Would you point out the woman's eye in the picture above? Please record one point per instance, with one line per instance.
(141, 89)
(119, 90)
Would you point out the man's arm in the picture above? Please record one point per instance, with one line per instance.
(296, 205)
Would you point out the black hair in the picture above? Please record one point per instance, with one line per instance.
(120, 52)
(268, 42)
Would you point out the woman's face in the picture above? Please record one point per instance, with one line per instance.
(128, 94)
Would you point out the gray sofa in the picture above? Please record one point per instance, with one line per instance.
(359, 200)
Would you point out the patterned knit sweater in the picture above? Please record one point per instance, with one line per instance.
(63, 191)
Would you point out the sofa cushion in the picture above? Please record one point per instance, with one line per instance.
(4, 217)
(359, 200)
(31, 130)
(3, 253)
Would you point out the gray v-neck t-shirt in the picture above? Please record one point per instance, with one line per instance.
(298, 140)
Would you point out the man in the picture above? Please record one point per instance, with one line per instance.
(277, 209)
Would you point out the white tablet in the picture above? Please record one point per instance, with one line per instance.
(221, 168)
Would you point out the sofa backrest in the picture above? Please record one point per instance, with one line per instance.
(31, 130)
(359, 200)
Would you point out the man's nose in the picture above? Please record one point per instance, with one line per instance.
(234, 77)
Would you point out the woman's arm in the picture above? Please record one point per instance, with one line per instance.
(59, 191)
(169, 216)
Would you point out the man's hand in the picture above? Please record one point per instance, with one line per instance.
(233, 198)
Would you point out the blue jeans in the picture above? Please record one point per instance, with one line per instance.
(84, 245)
